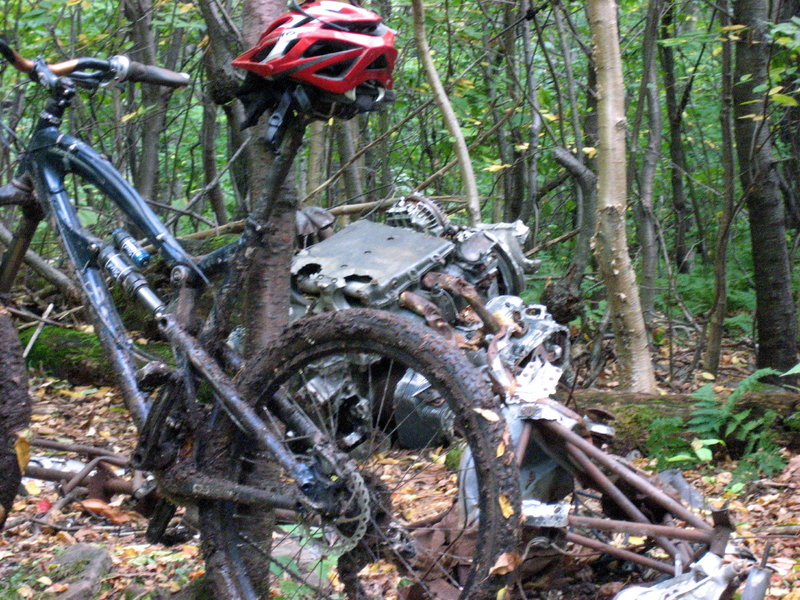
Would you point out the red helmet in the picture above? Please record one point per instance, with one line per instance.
(332, 46)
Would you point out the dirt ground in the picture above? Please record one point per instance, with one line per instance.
(42, 525)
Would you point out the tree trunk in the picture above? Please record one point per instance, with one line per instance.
(646, 222)
(720, 303)
(450, 119)
(315, 173)
(529, 208)
(610, 239)
(677, 158)
(154, 98)
(345, 132)
(209, 147)
(775, 311)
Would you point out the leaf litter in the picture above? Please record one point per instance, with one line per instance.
(767, 511)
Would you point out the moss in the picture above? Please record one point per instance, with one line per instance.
(69, 570)
(453, 458)
(632, 425)
(77, 356)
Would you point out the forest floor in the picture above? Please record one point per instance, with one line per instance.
(42, 526)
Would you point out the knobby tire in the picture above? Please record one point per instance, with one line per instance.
(255, 553)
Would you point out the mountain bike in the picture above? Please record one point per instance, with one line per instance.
(301, 491)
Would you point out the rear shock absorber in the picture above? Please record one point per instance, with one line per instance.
(118, 265)
(128, 245)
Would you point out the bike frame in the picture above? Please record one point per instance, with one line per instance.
(50, 156)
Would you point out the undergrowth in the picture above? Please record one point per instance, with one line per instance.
(716, 429)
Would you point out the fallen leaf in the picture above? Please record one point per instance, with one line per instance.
(33, 488)
(22, 447)
(501, 449)
(25, 591)
(97, 506)
(505, 507)
(505, 563)
(57, 588)
(487, 414)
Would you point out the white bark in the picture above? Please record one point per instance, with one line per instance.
(449, 115)
(610, 239)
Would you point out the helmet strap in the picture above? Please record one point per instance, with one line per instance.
(291, 105)
(277, 122)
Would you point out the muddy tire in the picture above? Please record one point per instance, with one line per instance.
(346, 371)
(15, 410)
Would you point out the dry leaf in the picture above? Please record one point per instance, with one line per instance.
(505, 507)
(57, 588)
(97, 506)
(25, 591)
(506, 563)
(22, 447)
(501, 449)
(487, 414)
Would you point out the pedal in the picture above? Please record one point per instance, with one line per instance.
(157, 526)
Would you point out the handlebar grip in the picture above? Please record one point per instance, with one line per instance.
(156, 75)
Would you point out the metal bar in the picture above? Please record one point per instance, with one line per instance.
(618, 497)
(237, 407)
(629, 476)
(620, 553)
(201, 487)
(78, 478)
(111, 486)
(691, 535)
(522, 443)
(78, 449)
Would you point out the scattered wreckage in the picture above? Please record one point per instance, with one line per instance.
(465, 283)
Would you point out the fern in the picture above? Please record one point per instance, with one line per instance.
(715, 422)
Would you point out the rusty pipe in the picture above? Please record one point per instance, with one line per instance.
(111, 486)
(648, 529)
(522, 443)
(460, 287)
(620, 553)
(625, 473)
(618, 497)
(429, 311)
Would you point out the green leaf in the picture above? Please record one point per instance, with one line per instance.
(784, 100)
(794, 370)
(704, 454)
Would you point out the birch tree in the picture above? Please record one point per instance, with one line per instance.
(610, 238)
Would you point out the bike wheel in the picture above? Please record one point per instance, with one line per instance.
(348, 372)
(15, 410)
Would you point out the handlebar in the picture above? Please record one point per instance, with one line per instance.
(117, 68)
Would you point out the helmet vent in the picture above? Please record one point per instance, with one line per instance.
(336, 70)
(362, 27)
(378, 63)
(327, 48)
